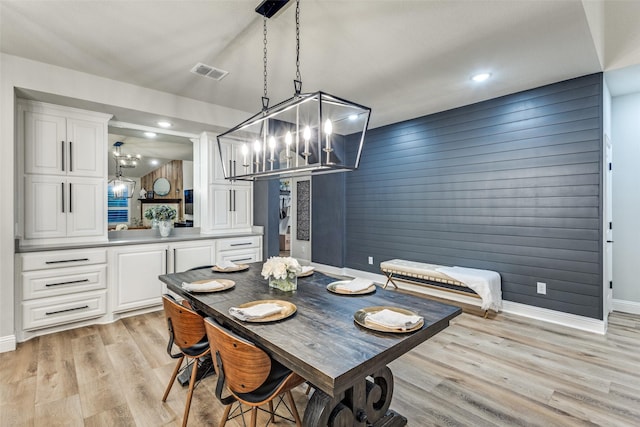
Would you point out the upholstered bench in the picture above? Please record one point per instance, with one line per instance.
(483, 284)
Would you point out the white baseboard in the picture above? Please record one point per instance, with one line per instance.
(557, 317)
(7, 343)
(532, 312)
(631, 307)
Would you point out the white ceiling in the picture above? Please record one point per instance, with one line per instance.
(403, 59)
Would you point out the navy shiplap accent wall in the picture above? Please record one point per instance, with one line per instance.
(511, 184)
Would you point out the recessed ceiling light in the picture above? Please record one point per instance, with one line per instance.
(164, 124)
(150, 134)
(154, 162)
(353, 117)
(480, 77)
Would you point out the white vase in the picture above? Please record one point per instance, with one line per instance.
(165, 228)
(154, 224)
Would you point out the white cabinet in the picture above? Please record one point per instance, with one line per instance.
(240, 250)
(56, 144)
(60, 287)
(61, 207)
(133, 275)
(62, 168)
(229, 206)
(232, 159)
(188, 255)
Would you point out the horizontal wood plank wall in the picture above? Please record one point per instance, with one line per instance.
(511, 184)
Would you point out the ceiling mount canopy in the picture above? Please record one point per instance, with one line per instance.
(310, 133)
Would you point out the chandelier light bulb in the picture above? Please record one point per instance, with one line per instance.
(328, 127)
(256, 146)
(306, 134)
(288, 139)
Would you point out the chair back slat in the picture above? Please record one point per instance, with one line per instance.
(187, 325)
(245, 366)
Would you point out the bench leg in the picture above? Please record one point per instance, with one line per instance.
(389, 280)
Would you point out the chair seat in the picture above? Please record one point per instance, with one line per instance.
(277, 376)
(196, 349)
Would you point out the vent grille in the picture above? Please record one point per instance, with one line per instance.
(209, 71)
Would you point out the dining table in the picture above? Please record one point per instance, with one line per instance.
(343, 359)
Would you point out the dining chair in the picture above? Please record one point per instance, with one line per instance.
(252, 377)
(187, 332)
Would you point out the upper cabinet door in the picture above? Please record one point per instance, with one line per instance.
(86, 148)
(46, 205)
(225, 158)
(45, 144)
(56, 145)
(86, 207)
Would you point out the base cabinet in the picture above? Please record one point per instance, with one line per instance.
(134, 272)
(63, 289)
(240, 250)
(60, 287)
(190, 255)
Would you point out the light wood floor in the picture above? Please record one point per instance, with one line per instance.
(505, 371)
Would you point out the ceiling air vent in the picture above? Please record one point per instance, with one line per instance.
(209, 71)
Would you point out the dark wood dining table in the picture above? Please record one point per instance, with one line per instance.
(345, 362)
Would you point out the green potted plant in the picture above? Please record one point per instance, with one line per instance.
(161, 217)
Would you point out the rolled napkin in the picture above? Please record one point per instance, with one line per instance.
(207, 286)
(223, 265)
(394, 320)
(356, 285)
(257, 311)
(306, 269)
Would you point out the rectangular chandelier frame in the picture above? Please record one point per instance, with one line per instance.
(312, 133)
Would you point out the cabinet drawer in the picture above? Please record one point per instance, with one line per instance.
(241, 256)
(61, 281)
(61, 259)
(238, 243)
(45, 312)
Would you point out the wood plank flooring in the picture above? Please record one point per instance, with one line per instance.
(506, 371)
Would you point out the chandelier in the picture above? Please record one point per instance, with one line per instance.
(119, 186)
(124, 160)
(310, 133)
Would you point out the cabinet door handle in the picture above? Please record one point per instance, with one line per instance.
(234, 168)
(70, 201)
(62, 145)
(234, 200)
(241, 244)
(174, 260)
(242, 259)
(230, 202)
(67, 260)
(49, 313)
(70, 282)
(70, 157)
(63, 201)
(231, 169)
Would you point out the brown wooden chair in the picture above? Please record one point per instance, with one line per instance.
(187, 332)
(251, 376)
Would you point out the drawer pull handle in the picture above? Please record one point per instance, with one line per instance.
(241, 259)
(70, 282)
(67, 260)
(49, 313)
(241, 244)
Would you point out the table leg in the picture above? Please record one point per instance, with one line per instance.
(366, 403)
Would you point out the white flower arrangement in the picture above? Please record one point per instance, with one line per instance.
(280, 267)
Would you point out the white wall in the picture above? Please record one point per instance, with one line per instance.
(23, 73)
(625, 134)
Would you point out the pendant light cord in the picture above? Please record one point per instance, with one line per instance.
(298, 40)
(265, 98)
